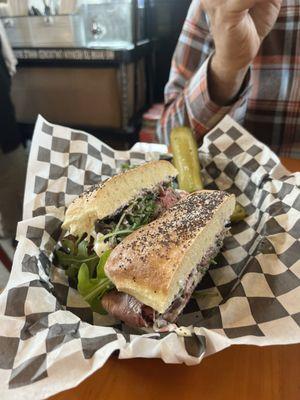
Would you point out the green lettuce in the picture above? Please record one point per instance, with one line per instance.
(136, 215)
(72, 255)
(93, 289)
(85, 270)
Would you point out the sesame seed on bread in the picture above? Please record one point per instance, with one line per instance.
(151, 263)
(104, 200)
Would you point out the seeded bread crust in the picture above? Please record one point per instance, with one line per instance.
(153, 263)
(105, 199)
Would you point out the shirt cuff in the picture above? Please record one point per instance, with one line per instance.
(204, 114)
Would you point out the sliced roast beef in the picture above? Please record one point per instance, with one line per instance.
(134, 313)
(168, 197)
(128, 309)
(193, 280)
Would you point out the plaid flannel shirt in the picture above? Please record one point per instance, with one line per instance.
(269, 102)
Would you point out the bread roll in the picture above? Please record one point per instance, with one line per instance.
(153, 263)
(111, 196)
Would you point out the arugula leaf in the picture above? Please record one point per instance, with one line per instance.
(82, 249)
(69, 243)
(93, 289)
(84, 285)
(84, 268)
(137, 214)
(72, 255)
(101, 264)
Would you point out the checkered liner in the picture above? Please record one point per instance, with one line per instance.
(252, 295)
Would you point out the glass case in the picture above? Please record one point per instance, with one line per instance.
(109, 24)
(45, 31)
(114, 24)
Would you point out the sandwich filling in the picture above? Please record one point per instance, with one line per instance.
(97, 262)
(147, 207)
(134, 313)
(84, 258)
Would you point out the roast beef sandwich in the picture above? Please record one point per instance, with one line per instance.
(139, 247)
(110, 211)
(157, 268)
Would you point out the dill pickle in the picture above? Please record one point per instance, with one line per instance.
(186, 159)
(239, 213)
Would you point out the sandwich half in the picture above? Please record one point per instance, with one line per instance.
(156, 268)
(105, 214)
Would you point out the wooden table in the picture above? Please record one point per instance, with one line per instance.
(237, 373)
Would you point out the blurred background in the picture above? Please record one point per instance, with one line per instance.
(96, 65)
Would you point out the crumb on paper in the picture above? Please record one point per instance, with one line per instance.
(184, 331)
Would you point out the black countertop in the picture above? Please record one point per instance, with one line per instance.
(84, 56)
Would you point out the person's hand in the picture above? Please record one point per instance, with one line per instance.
(238, 28)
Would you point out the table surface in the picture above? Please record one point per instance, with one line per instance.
(240, 372)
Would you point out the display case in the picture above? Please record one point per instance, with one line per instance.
(89, 69)
(114, 24)
(45, 31)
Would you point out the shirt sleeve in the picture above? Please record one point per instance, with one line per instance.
(187, 98)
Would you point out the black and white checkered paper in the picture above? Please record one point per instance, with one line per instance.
(50, 340)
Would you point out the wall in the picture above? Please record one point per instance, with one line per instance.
(166, 24)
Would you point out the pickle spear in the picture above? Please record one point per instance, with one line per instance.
(186, 159)
(239, 213)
